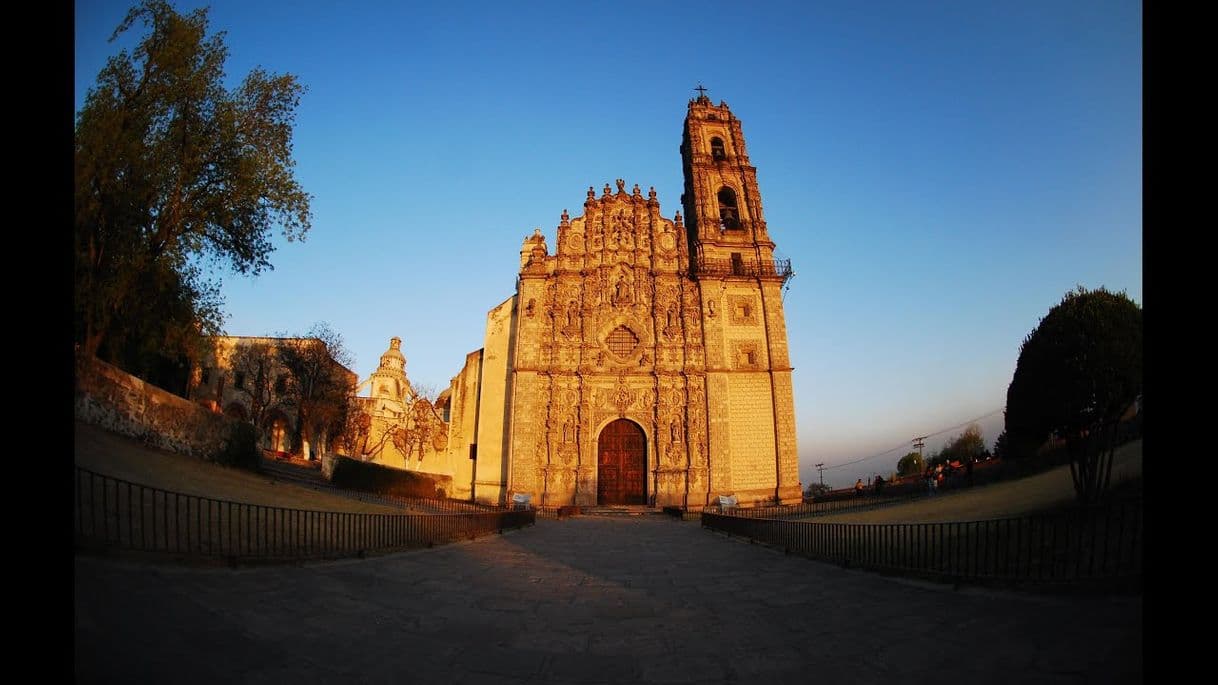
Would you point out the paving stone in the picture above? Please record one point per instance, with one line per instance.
(585, 600)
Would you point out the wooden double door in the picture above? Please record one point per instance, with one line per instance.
(621, 472)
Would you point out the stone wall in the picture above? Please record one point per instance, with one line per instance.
(113, 399)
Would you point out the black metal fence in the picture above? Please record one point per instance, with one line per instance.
(744, 267)
(808, 509)
(114, 513)
(1098, 544)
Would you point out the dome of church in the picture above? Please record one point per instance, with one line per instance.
(393, 357)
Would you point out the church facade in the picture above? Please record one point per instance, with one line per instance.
(644, 359)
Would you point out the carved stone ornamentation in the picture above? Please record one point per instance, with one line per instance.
(638, 324)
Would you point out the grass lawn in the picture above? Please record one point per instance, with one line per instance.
(1041, 492)
(121, 457)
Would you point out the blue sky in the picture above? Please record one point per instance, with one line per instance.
(939, 173)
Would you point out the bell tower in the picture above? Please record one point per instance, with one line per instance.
(731, 255)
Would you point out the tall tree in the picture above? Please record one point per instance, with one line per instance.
(264, 381)
(910, 464)
(1077, 372)
(321, 383)
(174, 172)
(967, 446)
(421, 427)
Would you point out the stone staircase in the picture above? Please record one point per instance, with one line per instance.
(620, 510)
(285, 470)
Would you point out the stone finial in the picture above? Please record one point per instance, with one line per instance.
(651, 193)
(591, 193)
(395, 343)
(636, 192)
(677, 219)
(533, 249)
(565, 218)
(621, 185)
(607, 191)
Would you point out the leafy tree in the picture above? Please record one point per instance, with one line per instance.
(910, 464)
(265, 382)
(423, 425)
(1077, 372)
(174, 172)
(815, 490)
(357, 431)
(967, 446)
(321, 386)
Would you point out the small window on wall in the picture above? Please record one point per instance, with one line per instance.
(737, 264)
(717, 151)
(729, 215)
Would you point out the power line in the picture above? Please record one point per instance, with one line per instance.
(904, 445)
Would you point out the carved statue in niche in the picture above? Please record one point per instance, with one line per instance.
(710, 308)
(528, 309)
(597, 239)
(568, 434)
(621, 293)
(621, 231)
(622, 396)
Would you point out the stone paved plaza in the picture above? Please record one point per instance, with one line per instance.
(640, 599)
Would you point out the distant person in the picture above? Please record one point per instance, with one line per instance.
(858, 487)
(879, 483)
(930, 481)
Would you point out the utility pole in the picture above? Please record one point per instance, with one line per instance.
(821, 467)
(918, 442)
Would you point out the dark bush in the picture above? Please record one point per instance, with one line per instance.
(241, 450)
(383, 480)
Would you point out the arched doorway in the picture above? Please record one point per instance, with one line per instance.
(278, 433)
(621, 471)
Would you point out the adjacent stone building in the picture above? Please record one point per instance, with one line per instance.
(394, 426)
(644, 360)
(245, 377)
